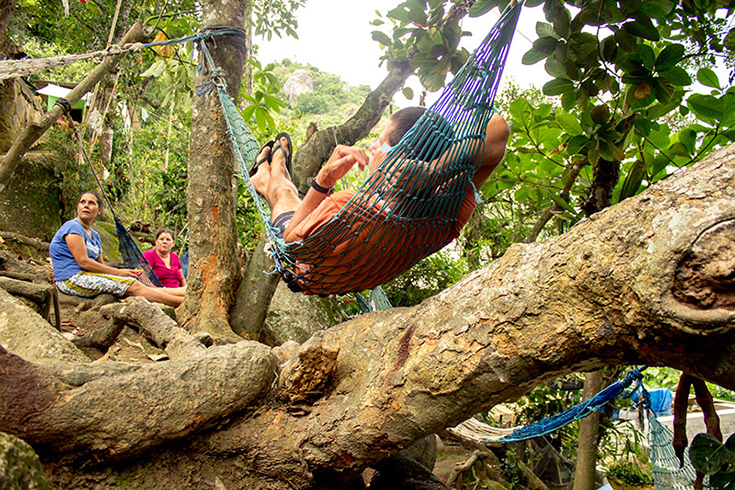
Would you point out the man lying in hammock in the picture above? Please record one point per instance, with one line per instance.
(370, 249)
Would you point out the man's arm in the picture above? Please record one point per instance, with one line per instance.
(493, 149)
(343, 158)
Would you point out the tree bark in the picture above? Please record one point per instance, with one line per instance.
(354, 394)
(157, 327)
(584, 472)
(34, 131)
(214, 273)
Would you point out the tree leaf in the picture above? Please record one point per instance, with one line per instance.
(680, 150)
(481, 7)
(645, 54)
(600, 114)
(633, 180)
(729, 40)
(708, 77)
(382, 38)
(662, 89)
(576, 144)
(705, 106)
(555, 68)
(669, 57)
(688, 138)
(677, 75)
(643, 90)
(531, 57)
(558, 200)
(558, 86)
(155, 70)
(625, 40)
(399, 13)
(546, 44)
(544, 29)
(247, 113)
(709, 455)
(407, 92)
(609, 48)
(642, 28)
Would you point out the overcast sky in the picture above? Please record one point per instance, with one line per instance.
(334, 36)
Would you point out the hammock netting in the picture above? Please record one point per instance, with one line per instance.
(408, 208)
(668, 473)
(132, 256)
(556, 422)
(665, 466)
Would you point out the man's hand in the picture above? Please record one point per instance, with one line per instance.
(342, 160)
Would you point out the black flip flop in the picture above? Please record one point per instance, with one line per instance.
(289, 155)
(266, 159)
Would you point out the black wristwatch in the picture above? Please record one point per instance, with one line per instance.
(318, 188)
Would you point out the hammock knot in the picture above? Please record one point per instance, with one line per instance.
(205, 88)
(64, 104)
(136, 47)
(115, 49)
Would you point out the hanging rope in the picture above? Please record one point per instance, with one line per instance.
(29, 66)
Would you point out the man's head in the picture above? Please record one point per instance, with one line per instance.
(422, 143)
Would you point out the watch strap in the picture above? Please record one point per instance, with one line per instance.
(318, 188)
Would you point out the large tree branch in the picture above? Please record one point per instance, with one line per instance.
(34, 131)
(603, 293)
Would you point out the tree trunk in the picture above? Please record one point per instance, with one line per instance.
(584, 472)
(6, 12)
(212, 189)
(603, 293)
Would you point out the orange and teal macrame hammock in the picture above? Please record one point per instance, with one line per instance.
(406, 205)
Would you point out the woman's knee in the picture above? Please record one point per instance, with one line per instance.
(135, 289)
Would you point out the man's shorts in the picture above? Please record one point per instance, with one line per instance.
(282, 221)
(90, 284)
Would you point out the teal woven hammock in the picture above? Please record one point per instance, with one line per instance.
(408, 207)
(667, 472)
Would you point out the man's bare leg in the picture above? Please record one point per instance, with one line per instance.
(281, 193)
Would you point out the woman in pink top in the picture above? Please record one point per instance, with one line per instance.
(164, 262)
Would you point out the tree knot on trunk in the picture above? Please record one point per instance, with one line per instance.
(705, 277)
(311, 370)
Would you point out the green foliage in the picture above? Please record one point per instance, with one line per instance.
(76, 72)
(74, 177)
(263, 101)
(275, 17)
(427, 278)
(630, 473)
(664, 377)
(87, 25)
(711, 457)
(331, 102)
(420, 35)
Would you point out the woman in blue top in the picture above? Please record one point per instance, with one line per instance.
(76, 256)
